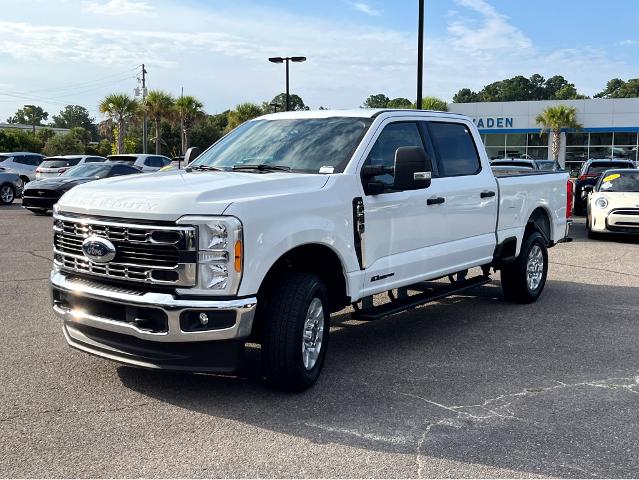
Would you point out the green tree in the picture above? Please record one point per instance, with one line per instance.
(29, 116)
(102, 148)
(15, 139)
(190, 111)
(242, 113)
(555, 119)
(617, 88)
(121, 109)
(209, 130)
(44, 134)
(434, 103)
(295, 102)
(64, 144)
(75, 116)
(400, 102)
(466, 95)
(376, 101)
(159, 105)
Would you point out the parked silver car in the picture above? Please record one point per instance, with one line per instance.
(54, 166)
(22, 163)
(11, 186)
(142, 161)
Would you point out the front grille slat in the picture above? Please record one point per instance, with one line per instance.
(138, 251)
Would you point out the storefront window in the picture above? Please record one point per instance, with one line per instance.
(495, 153)
(516, 139)
(601, 138)
(495, 140)
(538, 153)
(626, 138)
(576, 139)
(576, 154)
(601, 152)
(537, 139)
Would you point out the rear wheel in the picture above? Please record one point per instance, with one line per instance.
(296, 330)
(523, 280)
(7, 194)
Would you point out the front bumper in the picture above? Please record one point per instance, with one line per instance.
(155, 330)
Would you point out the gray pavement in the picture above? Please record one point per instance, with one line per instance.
(469, 386)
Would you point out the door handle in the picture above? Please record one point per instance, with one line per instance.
(435, 200)
(487, 194)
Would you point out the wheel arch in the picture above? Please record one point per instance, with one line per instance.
(540, 220)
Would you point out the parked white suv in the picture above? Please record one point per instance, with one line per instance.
(143, 161)
(22, 163)
(288, 218)
(55, 166)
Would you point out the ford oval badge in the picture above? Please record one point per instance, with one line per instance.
(98, 249)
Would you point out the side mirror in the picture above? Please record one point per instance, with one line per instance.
(191, 154)
(413, 169)
(586, 190)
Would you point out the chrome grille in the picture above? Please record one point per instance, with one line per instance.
(164, 255)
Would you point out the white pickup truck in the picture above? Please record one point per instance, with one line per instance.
(286, 219)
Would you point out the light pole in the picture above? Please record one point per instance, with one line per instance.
(274, 105)
(420, 54)
(286, 60)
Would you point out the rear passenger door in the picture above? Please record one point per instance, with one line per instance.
(469, 194)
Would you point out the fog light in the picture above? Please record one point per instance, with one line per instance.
(204, 318)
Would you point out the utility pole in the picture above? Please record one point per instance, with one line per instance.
(420, 54)
(144, 133)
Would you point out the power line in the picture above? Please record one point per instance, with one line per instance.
(71, 86)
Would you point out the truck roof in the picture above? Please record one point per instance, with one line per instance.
(355, 112)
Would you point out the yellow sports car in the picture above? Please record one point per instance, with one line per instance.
(613, 203)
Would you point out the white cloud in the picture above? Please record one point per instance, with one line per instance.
(366, 8)
(629, 42)
(117, 7)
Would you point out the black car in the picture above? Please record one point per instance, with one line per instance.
(589, 174)
(41, 195)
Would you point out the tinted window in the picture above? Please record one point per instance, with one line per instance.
(122, 170)
(154, 162)
(456, 152)
(94, 159)
(35, 160)
(21, 159)
(122, 158)
(74, 160)
(394, 135)
(87, 170)
(54, 164)
(512, 164)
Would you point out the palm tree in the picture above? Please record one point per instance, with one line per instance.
(555, 119)
(120, 108)
(190, 111)
(159, 105)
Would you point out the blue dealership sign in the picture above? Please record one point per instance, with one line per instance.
(494, 122)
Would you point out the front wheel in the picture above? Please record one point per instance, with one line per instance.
(523, 280)
(7, 194)
(296, 331)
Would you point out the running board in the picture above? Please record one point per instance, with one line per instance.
(406, 303)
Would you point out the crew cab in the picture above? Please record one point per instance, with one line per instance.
(288, 218)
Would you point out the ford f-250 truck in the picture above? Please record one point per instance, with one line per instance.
(286, 219)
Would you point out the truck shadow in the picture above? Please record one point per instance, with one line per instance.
(525, 388)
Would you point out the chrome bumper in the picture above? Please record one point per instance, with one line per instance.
(173, 308)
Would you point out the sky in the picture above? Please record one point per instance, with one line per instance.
(54, 53)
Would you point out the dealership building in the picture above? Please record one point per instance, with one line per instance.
(509, 130)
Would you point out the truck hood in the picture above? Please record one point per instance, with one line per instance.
(170, 195)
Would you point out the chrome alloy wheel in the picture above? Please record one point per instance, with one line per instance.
(313, 333)
(6, 194)
(534, 267)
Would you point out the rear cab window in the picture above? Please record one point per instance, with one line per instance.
(455, 149)
(600, 167)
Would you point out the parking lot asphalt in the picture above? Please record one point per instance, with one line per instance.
(469, 386)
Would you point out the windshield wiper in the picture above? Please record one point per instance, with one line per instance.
(262, 167)
(203, 168)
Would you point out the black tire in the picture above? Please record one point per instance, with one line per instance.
(7, 194)
(283, 331)
(514, 276)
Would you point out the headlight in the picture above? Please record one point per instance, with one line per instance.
(220, 254)
(601, 202)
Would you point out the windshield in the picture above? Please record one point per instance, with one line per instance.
(600, 167)
(307, 145)
(87, 170)
(122, 158)
(620, 182)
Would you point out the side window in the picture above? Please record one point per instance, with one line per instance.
(21, 159)
(73, 161)
(153, 162)
(394, 135)
(121, 170)
(455, 148)
(35, 160)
